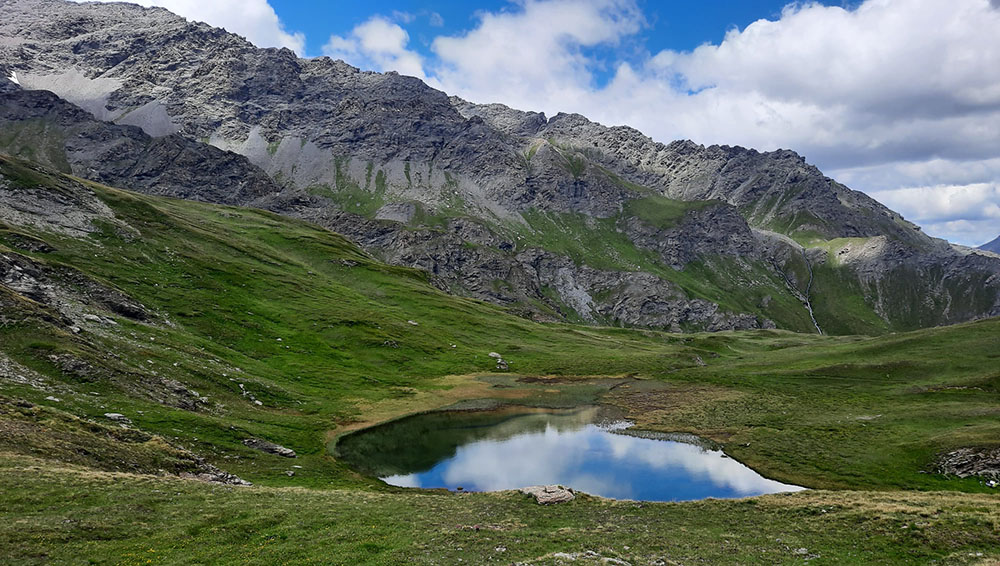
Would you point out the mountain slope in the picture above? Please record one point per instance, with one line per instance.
(993, 246)
(206, 326)
(45, 128)
(75, 141)
(182, 315)
(563, 218)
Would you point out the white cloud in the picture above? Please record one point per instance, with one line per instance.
(890, 80)
(980, 201)
(534, 58)
(377, 44)
(405, 17)
(253, 19)
(926, 173)
(964, 213)
(973, 233)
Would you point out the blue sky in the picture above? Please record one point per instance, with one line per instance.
(670, 25)
(897, 98)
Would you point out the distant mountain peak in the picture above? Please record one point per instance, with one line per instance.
(993, 246)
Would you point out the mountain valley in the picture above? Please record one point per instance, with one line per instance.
(217, 261)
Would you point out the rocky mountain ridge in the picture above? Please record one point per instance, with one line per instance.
(560, 218)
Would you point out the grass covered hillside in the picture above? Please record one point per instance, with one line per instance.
(198, 327)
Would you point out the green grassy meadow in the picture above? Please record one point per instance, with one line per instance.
(256, 325)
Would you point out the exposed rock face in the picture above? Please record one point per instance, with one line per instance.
(775, 188)
(938, 284)
(70, 213)
(714, 229)
(174, 166)
(549, 494)
(73, 141)
(474, 194)
(65, 290)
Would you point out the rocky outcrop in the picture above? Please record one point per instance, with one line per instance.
(470, 259)
(62, 136)
(939, 284)
(66, 291)
(119, 418)
(772, 189)
(716, 229)
(211, 474)
(969, 462)
(73, 213)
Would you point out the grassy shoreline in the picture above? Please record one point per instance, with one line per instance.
(64, 514)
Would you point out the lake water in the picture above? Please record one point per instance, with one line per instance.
(518, 447)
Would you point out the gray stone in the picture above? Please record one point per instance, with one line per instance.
(269, 447)
(118, 418)
(549, 494)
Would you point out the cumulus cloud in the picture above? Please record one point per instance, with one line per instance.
(966, 213)
(535, 57)
(377, 44)
(945, 203)
(253, 19)
(890, 79)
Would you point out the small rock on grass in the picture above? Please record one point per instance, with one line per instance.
(118, 418)
(269, 447)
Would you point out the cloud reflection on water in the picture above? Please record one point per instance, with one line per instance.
(594, 460)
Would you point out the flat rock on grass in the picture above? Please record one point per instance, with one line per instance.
(548, 494)
(269, 447)
(967, 462)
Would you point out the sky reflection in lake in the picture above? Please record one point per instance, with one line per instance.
(568, 449)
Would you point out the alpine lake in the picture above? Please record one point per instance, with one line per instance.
(588, 449)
